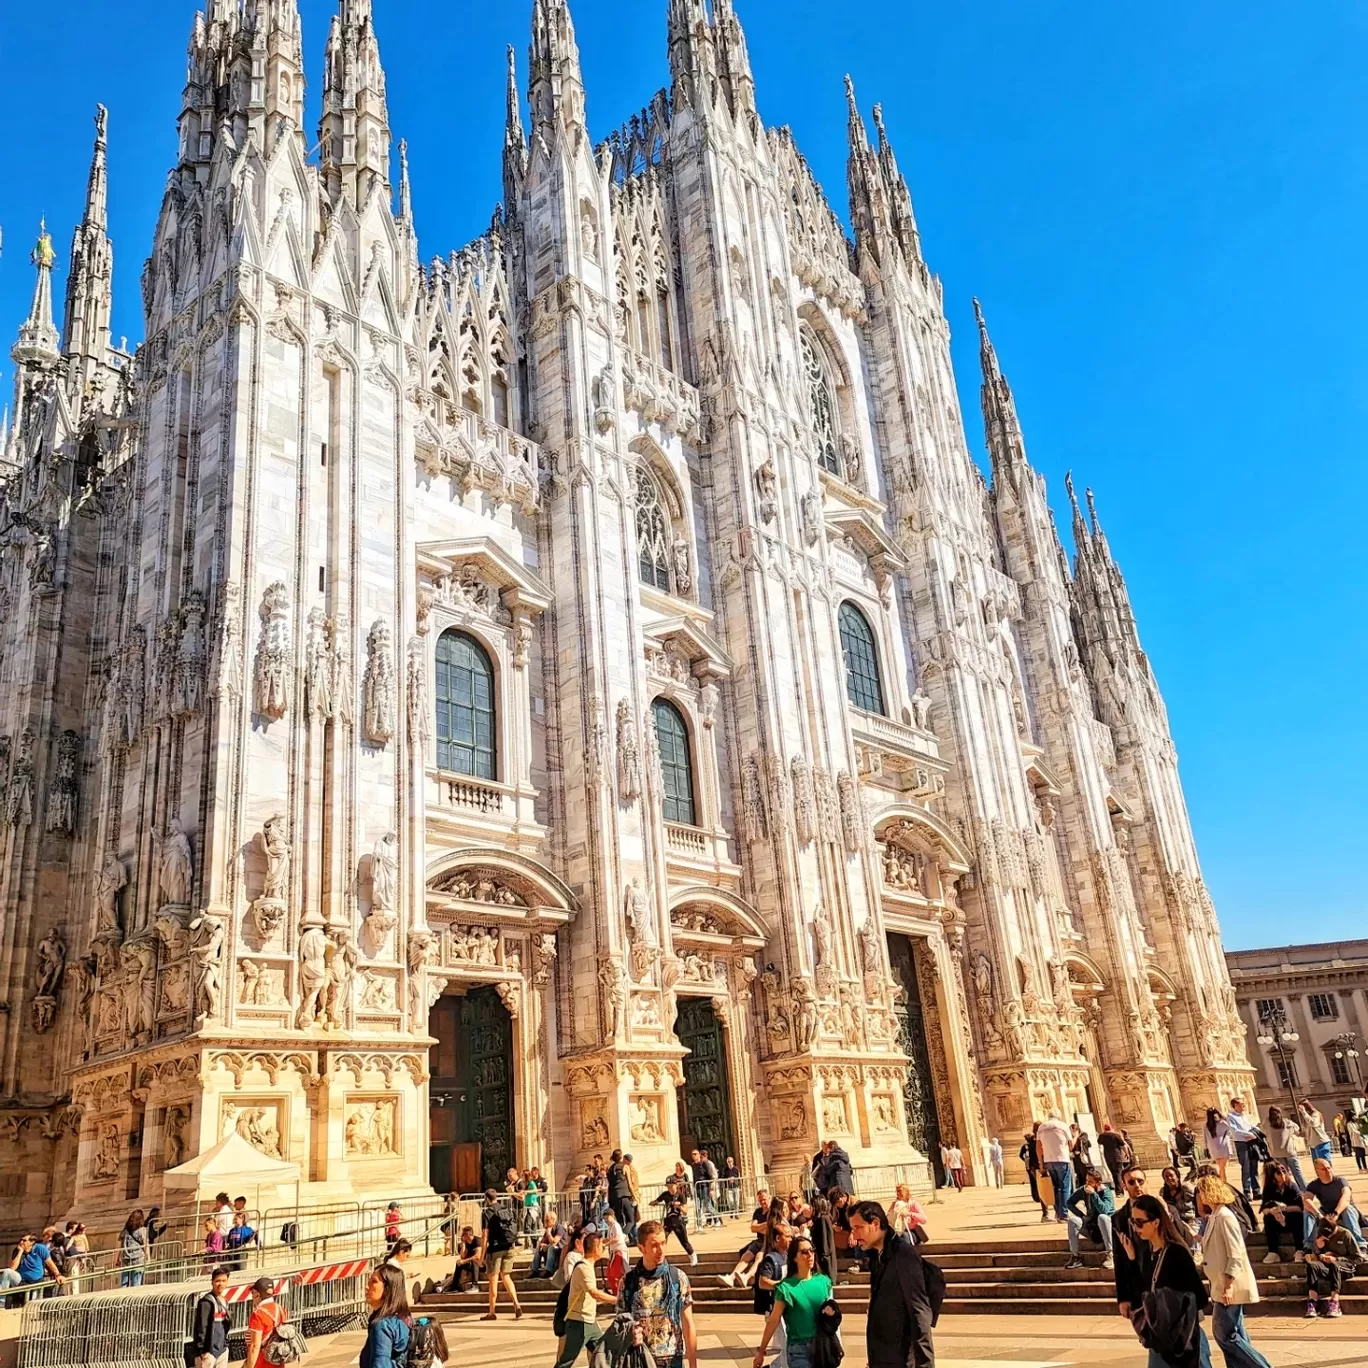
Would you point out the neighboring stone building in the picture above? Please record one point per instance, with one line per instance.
(427, 739)
(1323, 990)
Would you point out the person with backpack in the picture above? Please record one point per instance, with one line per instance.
(674, 1201)
(272, 1339)
(620, 1199)
(769, 1273)
(905, 1293)
(207, 1346)
(390, 1325)
(660, 1301)
(575, 1320)
(497, 1239)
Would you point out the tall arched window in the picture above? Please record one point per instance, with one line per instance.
(863, 685)
(653, 532)
(676, 767)
(822, 403)
(465, 707)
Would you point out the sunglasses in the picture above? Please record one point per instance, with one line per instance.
(1135, 1182)
(1138, 1221)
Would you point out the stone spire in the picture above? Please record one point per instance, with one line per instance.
(276, 99)
(354, 131)
(733, 59)
(1006, 445)
(880, 203)
(1107, 618)
(89, 294)
(515, 140)
(555, 82)
(38, 341)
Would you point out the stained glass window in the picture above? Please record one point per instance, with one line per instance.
(863, 685)
(676, 767)
(465, 707)
(823, 409)
(653, 532)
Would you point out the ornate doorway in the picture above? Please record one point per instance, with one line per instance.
(919, 1096)
(471, 1115)
(705, 1099)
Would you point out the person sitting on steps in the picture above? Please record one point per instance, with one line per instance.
(1090, 1212)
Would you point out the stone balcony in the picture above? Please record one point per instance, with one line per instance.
(659, 396)
(696, 854)
(460, 804)
(898, 756)
(476, 453)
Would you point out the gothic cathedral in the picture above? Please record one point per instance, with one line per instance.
(580, 692)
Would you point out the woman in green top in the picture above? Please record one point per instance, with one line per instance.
(798, 1301)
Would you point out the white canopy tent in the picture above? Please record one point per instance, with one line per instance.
(238, 1168)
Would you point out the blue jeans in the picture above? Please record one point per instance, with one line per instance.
(1203, 1357)
(799, 1353)
(1228, 1328)
(1249, 1168)
(131, 1277)
(1061, 1175)
(545, 1259)
(1104, 1231)
(1295, 1169)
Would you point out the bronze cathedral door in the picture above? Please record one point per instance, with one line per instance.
(919, 1095)
(705, 1100)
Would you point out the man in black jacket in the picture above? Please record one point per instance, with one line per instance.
(905, 1293)
(208, 1345)
(1129, 1285)
(831, 1169)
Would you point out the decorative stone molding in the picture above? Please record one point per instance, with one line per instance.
(272, 679)
(378, 686)
(62, 803)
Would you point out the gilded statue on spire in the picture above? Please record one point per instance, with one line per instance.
(43, 255)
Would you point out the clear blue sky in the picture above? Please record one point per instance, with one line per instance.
(1162, 208)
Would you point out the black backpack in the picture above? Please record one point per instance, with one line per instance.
(562, 1311)
(500, 1237)
(426, 1344)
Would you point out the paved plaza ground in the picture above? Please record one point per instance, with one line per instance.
(962, 1341)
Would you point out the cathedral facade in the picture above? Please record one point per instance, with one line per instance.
(579, 692)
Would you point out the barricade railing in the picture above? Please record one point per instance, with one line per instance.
(150, 1326)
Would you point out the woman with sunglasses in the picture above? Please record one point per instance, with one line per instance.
(1164, 1261)
(798, 1301)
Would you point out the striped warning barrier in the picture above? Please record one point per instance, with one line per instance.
(331, 1272)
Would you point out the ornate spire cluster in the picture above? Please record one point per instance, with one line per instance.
(244, 75)
(354, 133)
(555, 83)
(708, 53)
(880, 202)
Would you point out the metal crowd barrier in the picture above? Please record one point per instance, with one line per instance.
(149, 1327)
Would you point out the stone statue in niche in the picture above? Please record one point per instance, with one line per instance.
(921, 711)
(805, 1014)
(871, 959)
(385, 873)
(105, 1165)
(628, 754)
(175, 868)
(378, 686)
(19, 793)
(683, 569)
(268, 911)
(51, 957)
(477, 945)
(188, 683)
(776, 1019)
(812, 516)
(640, 933)
(341, 977)
(313, 971)
(177, 1123)
(272, 677)
(207, 948)
(369, 1131)
(614, 997)
(417, 696)
(318, 669)
(227, 665)
(766, 490)
(61, 814)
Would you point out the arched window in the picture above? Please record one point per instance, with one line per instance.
(676, 768)
(822, 403)
(863, 686)
(465, 707)
(653, 532)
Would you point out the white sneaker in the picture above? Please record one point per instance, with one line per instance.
(1271, 1257)
(727, 1279)
(1109, 1262)
(693, 1258)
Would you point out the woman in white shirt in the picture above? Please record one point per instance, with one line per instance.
(1313, 1130)
(1220, 1147)
(1233, 1284)
(1284, 1143)
(581, 1312)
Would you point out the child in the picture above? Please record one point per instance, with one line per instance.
(393, 1223)
(213, 1241)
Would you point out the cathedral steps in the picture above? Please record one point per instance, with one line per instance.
(981, 1277)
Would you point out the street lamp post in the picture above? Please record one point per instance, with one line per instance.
(1275, 1030)
(1346, 1047)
